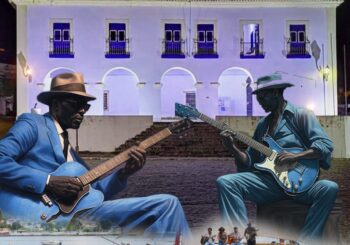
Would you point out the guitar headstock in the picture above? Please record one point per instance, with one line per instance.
(186, 111)
(180, 126)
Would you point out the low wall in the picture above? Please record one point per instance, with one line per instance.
(105, 133)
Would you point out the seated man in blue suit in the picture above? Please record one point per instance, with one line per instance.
(38, 145)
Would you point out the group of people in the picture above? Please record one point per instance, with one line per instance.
(233, 238)
(37, 145)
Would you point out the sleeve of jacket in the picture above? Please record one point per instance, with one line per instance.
(316, 137)
(110, 185)
(16, 143)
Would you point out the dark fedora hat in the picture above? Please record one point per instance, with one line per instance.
(271, 82)
(65, 84)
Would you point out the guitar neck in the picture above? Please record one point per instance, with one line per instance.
(116, 161)
(241, 137)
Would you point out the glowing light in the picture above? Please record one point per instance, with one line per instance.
(198, 85)
(140, 84)
(100, 84)
(215, 84)
(157, 85)
(310, 106)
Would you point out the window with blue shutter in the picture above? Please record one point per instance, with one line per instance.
(61, 42)
(298, 45)
(173, 44)
(205, 44)
(117, 43)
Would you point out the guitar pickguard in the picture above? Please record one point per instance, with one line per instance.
(295, 177)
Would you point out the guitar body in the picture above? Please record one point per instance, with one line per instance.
(294, 178)
(28, 206)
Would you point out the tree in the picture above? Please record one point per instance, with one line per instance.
(16, 226)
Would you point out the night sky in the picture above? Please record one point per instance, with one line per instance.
(7, 33)
(343, 39)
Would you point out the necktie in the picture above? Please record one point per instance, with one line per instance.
(65, 143)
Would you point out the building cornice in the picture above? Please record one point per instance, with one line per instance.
(190, 3)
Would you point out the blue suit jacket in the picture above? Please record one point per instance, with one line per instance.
(31, 150)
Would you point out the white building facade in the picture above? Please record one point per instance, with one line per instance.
(140, 57)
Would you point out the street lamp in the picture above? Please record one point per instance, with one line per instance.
(27, 72)
(325, 73)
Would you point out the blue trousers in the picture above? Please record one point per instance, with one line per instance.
(262, 188)
(157, 215)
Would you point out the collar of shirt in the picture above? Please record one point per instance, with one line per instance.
(290, 108)
(59, 132)
(58, 127)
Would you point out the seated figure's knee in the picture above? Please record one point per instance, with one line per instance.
(221, 182)
(331, 187)
(168, 200)
(227, 180)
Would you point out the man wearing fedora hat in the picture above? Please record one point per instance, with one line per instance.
(290, 127)
(38, 144)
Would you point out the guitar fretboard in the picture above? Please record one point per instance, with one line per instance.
(116, 161)
(241, 137)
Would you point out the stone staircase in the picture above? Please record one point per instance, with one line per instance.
(201, 140)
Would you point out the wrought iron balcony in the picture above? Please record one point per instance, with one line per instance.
(116, 49)
(252, 50)
(297, 49)
(61, 49)
(173, 49)
(205, 49)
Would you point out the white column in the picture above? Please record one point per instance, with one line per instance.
(331, 61)
(22, 81)
(347, 137)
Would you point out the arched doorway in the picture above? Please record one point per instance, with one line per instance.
(235, 92)
(120, 93)
(178, 86)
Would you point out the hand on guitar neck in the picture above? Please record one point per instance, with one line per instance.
(228, 140)
(135, 163)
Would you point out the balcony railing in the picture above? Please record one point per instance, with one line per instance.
(171, 49)
(205, 49)
(297, 49)
(117, 49)
(61, 49)
(252, 50)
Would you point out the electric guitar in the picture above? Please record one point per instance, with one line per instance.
(294, 178)
(49, 207)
